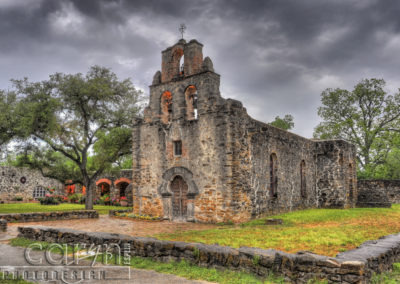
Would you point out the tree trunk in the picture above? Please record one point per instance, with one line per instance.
(89, 195)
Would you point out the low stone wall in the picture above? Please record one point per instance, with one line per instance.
(3, 225)
(369, 197)
(388, 188)
(355, 266)
(112, 213)
(49, 216)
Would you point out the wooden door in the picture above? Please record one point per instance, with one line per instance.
(179, 198)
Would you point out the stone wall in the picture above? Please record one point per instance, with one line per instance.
(3, 225)
(21, 182)
(117, 181)
(49, 216)
(380, 191)
(354, 266)
(112, 213)
(225, 160)
(336, 178)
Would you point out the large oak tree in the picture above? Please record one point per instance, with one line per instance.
(76, 126)
(367, 116)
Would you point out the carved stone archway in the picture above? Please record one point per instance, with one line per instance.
(165, 191)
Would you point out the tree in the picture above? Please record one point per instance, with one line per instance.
(285, 123)
(7, 117)
(76, 126)
(367, 117)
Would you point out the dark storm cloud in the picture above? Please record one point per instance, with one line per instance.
(274, 56)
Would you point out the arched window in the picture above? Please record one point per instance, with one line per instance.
(166, 107)
(273, 173)
(303, 185)
(191, 102)
(351, 181)
(181, 66)
(177, 63)
(39, 192)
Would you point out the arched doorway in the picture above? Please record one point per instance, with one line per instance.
(122, 189)
(121, 185)
(179, 190)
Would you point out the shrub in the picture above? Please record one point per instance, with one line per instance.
(75, 198)
(49, 200)
(105, 200)
(18, 198)
(61, 198)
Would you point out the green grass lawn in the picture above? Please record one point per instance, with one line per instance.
(322, 231)
(37, 207)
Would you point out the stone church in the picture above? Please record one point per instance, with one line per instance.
(200, 157)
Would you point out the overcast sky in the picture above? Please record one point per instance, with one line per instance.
(274, 56)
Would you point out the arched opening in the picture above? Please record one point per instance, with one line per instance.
(166, 107)
(178, 63)
(351, 182)
(103, 188)
(303, 185)
(191, 102)
(39, 192)
(122, 189)
(181, 66)
(122, 184)
(273, 171)
(179, 190)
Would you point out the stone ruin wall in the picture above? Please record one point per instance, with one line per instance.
(225, 153)
(11, 185)
(378, 192)
(336, 174)
(248, 146)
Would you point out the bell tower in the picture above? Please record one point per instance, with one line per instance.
(185, 85)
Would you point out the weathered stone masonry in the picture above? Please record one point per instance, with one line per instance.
(24, 182)
(378, 193)
(354, 266)
(200, 157)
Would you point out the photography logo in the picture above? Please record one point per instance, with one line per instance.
(72, 264)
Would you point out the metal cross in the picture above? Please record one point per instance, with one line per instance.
(182, 29)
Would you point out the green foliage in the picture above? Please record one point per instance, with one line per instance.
(75, 126)
(256, 260)
(285, 123)
(49, 200)
(392, 277)
(368, 117)
(8, 101)
(75, 198)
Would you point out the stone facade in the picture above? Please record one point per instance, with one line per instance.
(354, 266)
(378, 192)
(23, 182)
(115, 184)
(200, 157)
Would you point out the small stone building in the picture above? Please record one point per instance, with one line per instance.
(200, 157)
(114, 184)
(25, 183)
